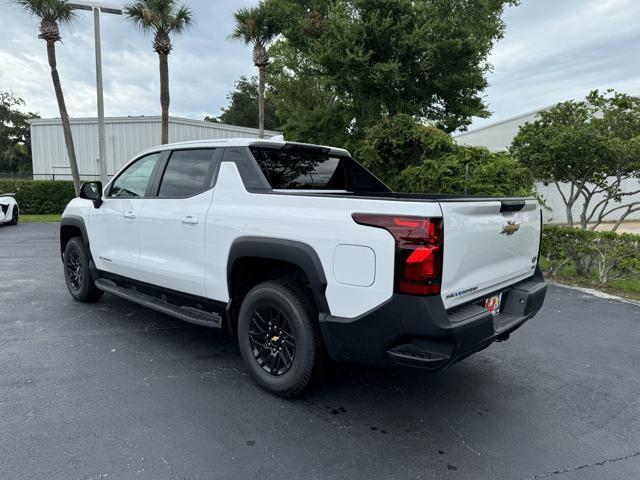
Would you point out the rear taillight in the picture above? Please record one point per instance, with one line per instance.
(418, 261)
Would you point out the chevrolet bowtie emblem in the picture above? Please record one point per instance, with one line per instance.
(510, 228)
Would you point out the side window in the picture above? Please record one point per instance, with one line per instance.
(188, 173)
(134, 180)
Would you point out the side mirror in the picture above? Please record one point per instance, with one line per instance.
(92, 191)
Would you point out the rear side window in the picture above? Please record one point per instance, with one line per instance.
(292, 169)
(188, 173)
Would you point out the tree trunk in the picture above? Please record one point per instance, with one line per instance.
(569, 214)
(64, 116)
(261, 71)
(622, 218)
(584, 265)
(164, 95)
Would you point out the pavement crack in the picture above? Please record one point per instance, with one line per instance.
(173, 471)
(582, 467)
(460, 436)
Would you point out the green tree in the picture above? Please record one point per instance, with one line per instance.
(255, 27)
(15, 135)
(412, 157)
(243, 104)
(593, 146)
(306, 105)
(164, 18)
(53, 13)
(364, 59)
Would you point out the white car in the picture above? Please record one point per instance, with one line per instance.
(9, 211)
(305, 256)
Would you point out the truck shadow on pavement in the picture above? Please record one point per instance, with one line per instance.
(362, 382)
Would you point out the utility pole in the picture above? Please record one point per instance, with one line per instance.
(102, 141)
(98, 7)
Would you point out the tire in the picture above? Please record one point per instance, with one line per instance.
(14, 216)
(77, 274)
(286, 356)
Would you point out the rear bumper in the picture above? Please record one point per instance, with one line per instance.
(418, 331)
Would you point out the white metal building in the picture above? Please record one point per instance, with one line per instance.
(498, 136)
(126, 136)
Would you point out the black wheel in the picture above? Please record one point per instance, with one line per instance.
(77, 274)
(280, 339)
(14, 216)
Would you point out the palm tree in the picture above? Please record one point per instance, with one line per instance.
(163, 18)
(253, 26)
(52, 13)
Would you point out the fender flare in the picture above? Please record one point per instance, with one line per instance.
(76, 222)
(300, 254)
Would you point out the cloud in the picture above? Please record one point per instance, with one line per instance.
(552, 51)
(203, 65)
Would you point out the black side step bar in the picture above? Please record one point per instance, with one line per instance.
(187, 314)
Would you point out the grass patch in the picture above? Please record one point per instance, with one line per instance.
(625, 287)
(53, 217)
(630, 285)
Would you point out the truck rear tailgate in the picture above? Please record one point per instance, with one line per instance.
(488, 245)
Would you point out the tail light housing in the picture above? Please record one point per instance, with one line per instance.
(418, 257)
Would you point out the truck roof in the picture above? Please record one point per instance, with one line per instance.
(243, 142)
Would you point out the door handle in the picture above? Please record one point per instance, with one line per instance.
(129, 215)
(190, 220)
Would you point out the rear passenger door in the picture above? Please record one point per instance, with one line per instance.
(172, 223)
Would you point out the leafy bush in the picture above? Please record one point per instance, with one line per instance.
(606, 256)
(38, 197)
(470, 170)
(400, 142)
(412, 157)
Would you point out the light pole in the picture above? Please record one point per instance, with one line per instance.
(98, 7)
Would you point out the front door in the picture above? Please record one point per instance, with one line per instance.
(113, 228)
(172, 224)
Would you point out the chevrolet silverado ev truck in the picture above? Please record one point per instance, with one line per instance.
(305, 256)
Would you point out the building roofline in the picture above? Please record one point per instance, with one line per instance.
(151, 119)
(506, 120)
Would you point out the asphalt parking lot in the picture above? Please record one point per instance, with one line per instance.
(114, 391)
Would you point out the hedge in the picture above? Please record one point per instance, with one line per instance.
(39, 197)
(603, 256)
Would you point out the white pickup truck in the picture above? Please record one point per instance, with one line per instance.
(305, 256)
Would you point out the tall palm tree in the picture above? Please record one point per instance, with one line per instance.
(253, 26)
(163, 18)
(52, 13)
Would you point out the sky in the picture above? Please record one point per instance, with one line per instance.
(553, 50)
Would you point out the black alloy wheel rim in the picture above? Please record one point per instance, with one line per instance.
(272, 341)
(74, 270)
(14, 214)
